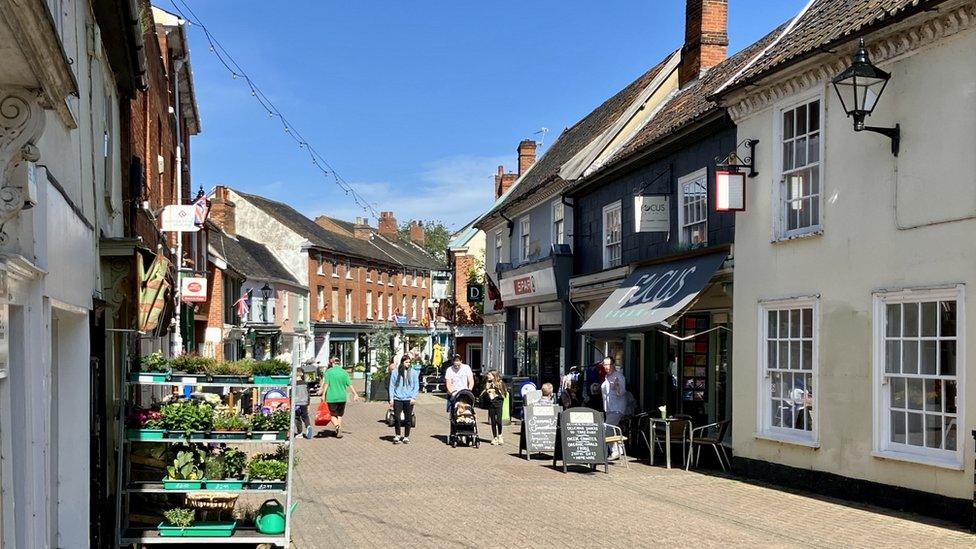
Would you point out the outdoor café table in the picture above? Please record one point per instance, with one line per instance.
(666, 421)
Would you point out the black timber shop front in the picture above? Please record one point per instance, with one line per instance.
(673, 342)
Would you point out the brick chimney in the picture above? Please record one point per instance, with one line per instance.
(222, 210)
(526, 155)
(706, 37)
(387, 227)
(361, 229)
(417, 235)
(503, 181)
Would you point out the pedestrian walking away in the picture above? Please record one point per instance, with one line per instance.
(614, 391)
(404, 386)
(337, 386)
(302, 423)
(494, 393)
(458, 377)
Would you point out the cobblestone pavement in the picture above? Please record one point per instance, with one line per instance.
(363, 491)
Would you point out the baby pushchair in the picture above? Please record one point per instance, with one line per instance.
(464, 423)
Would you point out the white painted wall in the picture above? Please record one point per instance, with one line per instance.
(871, 200)
(285, 244)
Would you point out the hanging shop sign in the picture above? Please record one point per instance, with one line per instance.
(653, 214)
(476, 293)
(193, 289)
(730, 191)
(536, 283)
(180, 219)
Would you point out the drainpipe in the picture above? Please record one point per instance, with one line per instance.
(178, 340)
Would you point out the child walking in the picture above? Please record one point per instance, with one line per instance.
(495, 393)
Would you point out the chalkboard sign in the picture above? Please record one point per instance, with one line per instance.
(582, 438)
(539, 428)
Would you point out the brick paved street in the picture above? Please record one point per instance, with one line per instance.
(362, 491)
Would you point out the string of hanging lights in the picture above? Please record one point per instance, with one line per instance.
(238, 73)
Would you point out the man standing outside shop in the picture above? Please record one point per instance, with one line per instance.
(336, 386)
(457, 377)
(614, 390)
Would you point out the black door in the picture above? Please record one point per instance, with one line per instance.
(549, 344)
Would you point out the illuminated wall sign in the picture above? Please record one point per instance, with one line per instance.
(730, 191)
(193, 290)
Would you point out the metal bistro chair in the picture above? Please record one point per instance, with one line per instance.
(617, 435)
(699, 438)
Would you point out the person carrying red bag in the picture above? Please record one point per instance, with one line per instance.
(336, 386)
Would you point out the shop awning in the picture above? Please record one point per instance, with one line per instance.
(652, 294)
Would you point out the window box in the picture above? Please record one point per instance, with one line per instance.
(170, 484)
(199, 530)
(269, 435)
(228, 435)
(225, 484)
(275, 380)
(145, 434)
(148, 377)
(275, 484)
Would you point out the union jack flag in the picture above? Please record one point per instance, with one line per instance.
(243, 304)
(200, 209)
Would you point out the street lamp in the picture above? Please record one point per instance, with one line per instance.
(266, 294)
(859, 87)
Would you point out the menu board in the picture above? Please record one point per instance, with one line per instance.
(539, 428)
(582, 438)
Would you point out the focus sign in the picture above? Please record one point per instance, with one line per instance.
(653, 214)
(193, 289)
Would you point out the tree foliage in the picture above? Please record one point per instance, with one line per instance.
(436, 238)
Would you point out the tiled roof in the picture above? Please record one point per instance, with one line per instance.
(823, 23)
(249, 258)
(376, 248)
(690, 104)
(572, 140)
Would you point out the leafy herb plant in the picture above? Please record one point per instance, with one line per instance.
(191, 364)
(154, 362)
(267, 469)
(186, 466)
(187, 415)
(180, 517)
(279, 420)
(230, 420)
(270, 367)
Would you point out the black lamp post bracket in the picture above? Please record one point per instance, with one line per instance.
(733, 162)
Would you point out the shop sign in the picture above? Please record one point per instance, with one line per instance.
(400, 319)
(476, 293)
(180, 219)
(581, 437)
(539, 426)
(730, 191)
(653, 214)
(536, 283)
(193, 289)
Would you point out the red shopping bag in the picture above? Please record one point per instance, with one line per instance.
(323, 416)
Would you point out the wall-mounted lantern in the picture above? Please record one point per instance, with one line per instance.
(859, 87)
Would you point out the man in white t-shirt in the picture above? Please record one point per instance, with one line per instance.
(457, 377)
(614, 391)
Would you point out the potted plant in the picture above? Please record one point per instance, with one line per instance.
(153, 368)
(273, 426)
(185, 472)
(181, 522)
(267, 472)
(143, 424)
(187, 419)
(229, 424)
(379, 385)
(359, 371)
(190, 368)
(224, 470)
(271, 372)
(233, 372)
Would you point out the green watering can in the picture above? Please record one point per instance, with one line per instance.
(271, 517)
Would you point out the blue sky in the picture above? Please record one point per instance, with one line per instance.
(417, 103)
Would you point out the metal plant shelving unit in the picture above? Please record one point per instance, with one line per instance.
(130, 536)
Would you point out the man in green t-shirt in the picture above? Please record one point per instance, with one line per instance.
(336, 385)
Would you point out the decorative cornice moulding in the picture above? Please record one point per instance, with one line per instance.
(903, 41)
